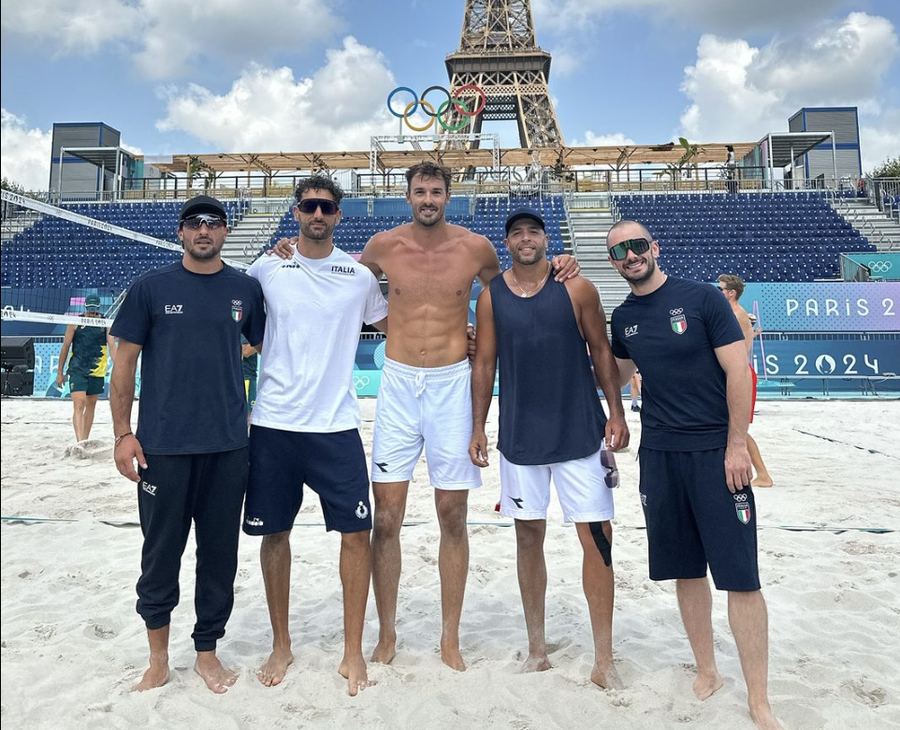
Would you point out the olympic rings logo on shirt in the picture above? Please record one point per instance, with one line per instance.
(676, 311)
(740, 497)
(880, 267)
(429, 111)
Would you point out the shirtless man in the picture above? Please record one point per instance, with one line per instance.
(425, 396)
(732, 287)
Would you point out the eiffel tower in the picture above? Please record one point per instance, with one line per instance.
(499, 54)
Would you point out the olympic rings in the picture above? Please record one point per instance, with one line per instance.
(458, 104)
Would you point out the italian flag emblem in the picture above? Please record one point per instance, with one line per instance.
(679, 324)
(237, 314)
(743, 512)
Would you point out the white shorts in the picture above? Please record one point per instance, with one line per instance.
(430, 407)
(580, 485)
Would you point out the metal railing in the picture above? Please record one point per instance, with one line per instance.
(855, 217)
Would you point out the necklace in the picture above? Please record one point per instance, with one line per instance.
(525, 294)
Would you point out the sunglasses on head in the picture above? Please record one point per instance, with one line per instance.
(308, 206)
(619, 252)
(195, 221)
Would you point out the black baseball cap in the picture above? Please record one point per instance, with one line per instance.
(523, 213)
(202, 204)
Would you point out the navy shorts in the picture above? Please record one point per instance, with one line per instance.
(693, 520)
(89, 384)
(332, 464)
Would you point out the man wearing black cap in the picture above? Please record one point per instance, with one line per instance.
(552, 430)
(186, 321)
(92, 348)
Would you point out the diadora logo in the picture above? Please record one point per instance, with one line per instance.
(149, 488)
(292, 265)
(631, 331)
(254, 522)
(345, 270)
(174, 309)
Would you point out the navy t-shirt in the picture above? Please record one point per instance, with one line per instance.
(549, 407)
(671, 335)
(192, 385)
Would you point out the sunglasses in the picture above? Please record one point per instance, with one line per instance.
(195, 221)
(619, 252)
(608, 462)
(308, 206)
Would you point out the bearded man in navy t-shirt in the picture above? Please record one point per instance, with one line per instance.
(191, 447)
(695, 468)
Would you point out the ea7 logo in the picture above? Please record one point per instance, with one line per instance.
(149, 488)
(631, 331)
(174, 309)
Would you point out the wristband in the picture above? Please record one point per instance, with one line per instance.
(119, 438)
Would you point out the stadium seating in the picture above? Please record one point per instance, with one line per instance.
(356, 227)
(58, 253)
(760, 237)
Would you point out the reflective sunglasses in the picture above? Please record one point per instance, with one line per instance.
(619, 252)
(608, 462)
(195, 221)
(308, 206)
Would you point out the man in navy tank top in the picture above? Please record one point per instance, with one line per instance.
(185, 321)
(695, 468)
(552, 425)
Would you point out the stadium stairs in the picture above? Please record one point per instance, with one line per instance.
(865, 217)
(589, 229)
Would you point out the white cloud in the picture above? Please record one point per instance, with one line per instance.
(878, 142)
(71, 27)
(739, 92)
(168, 36)
(268, 110)
(603, 140)
(735, 16)
(26, 152)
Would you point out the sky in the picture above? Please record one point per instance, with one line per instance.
(299, 75)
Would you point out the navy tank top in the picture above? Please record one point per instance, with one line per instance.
(549, 407)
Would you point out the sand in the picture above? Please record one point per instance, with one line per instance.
(72, 645)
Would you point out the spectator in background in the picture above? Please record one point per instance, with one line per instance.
(731, 170)
(92, 349)
(250, 362)
(732, 287)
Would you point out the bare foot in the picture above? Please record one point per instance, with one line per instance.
(764, 482)
(536, 663)
(385, 650)
(706, 685)
(273, 671)
(354, 670)
(210, 669)
(450, 655)
(157, 675)
(764, 719)
(605, 675)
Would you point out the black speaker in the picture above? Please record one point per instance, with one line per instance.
(17, 383)
(16, 351)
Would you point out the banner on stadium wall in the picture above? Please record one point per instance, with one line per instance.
(882, 265)
(835, 358)
(366, 372)
(825, 306)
